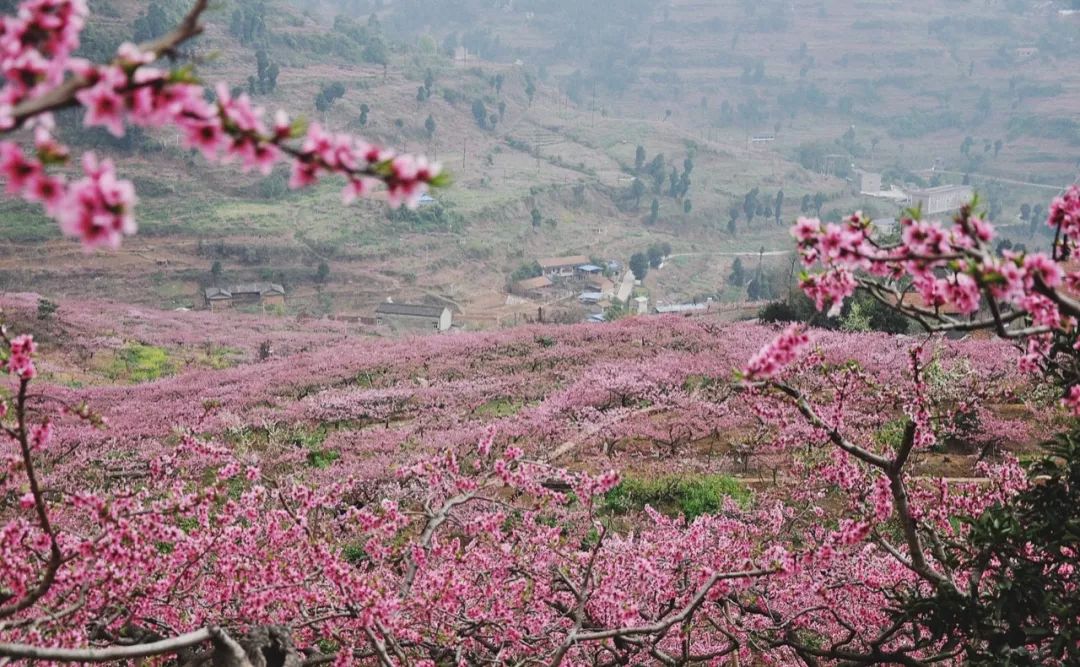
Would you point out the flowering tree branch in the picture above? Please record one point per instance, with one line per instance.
(42, 77)
(65, 95)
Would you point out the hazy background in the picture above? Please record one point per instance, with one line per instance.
(539, 108)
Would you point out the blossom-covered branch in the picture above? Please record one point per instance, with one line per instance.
(98, 208)
(960, 283)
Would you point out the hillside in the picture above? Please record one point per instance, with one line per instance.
(685, 80)
(650, 395)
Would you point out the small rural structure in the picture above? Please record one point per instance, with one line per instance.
(682, 308)
(942, 199)
(410, 317)
(247, 294)
(561, 267)
(869, 182)
(1025, 52)
(601, 284)
(533, 288)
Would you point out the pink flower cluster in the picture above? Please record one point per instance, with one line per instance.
(35, 49)
(35, 57)
(957, 278)
(20, 358)
(777, 355)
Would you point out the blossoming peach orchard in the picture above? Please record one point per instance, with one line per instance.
(457, 505)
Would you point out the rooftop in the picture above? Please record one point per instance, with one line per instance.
(217, 293)
(558, 262)
(410, 310)
(590, 268)
(942, 189)
(262, 289)
(681, 308)
(538, 282)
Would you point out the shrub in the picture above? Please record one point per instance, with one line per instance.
(688, 496)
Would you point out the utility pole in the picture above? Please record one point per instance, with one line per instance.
(464, 144)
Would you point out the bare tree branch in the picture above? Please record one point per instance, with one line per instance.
(111, 654)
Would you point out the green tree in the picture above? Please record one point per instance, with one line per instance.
(639, 158)
(526, 271)
(737, 277)
(639, 265)
(1036, 220)
(480, 113)
(530, 88)
(654, 211)
(364, 111)
(966, 145)
(778, 205)
(429, 126)
(537, 218)
(1020, 605)
(215, 271)
(637, 190)
(329, 94)
(655, 255)
(687, 206)
(322, 273)
(46, 309)
(750, 205)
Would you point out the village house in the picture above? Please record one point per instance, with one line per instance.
(1025, 52)
(601, 284)
(533, 288)
(869, 181)
(561, 268)
(589, 271)
(942, 199)
(682, 308)
(408, 317)
(247, 294)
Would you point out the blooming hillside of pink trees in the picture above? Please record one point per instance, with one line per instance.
(654, 491)
(455, 494)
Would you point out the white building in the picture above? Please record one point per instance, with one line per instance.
(942, 199)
